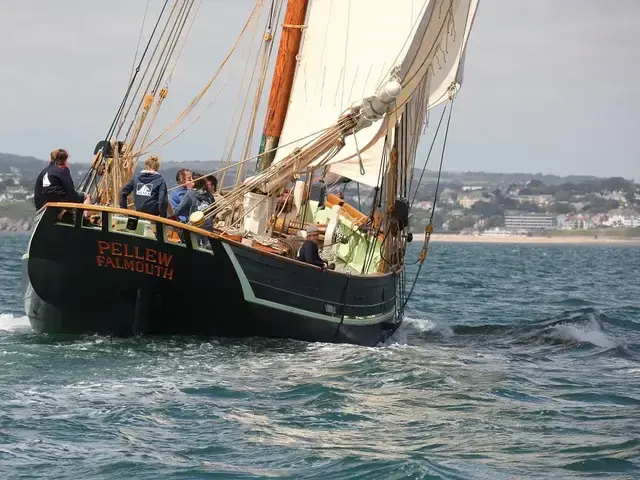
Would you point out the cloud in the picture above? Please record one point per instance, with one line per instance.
(549, 85)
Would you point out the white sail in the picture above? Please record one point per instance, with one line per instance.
(352, 47)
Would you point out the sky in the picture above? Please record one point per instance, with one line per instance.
(550, 86)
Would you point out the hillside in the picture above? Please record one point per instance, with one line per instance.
(466, 199)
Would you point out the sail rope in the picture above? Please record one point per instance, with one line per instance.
(277, 176)
(184, 42)
(110, 169)
(123, 167)
(179, 27)
(144, 74)
(264, 72)
(156, 75)
(145, 149)
(428, 230)
(229, 149)
(135, 56)
(89, 177)
(230, 200)
(137, 71)
(426, 162)
(314, 134)
(376, 204)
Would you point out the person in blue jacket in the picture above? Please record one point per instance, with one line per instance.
(185, 182)
(149, 190)
(198, 198)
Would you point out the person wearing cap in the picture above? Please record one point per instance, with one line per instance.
(308, 253)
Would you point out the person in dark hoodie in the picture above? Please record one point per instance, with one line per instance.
(309, 251)
(38, 195)
(198, 198)
(149, 190)
(54, 184)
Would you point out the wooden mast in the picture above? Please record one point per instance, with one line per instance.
(390, 230)
(282, 80)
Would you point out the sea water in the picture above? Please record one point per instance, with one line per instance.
(513, 362)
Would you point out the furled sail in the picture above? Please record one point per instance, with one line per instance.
(353, 47)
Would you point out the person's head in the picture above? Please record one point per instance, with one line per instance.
(312, 232)
(212, 183)
(184, 178)
(205, 182)
(59, 156)
(152, 163)
(198, 182)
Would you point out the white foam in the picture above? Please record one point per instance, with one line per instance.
(11, 323)
(589, 332)
(416, 327)
(420, 324)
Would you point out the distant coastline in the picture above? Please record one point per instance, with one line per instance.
(522, 239)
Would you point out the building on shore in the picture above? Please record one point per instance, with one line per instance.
(539, 200)
(468, 200)
(623, 218)
(526, 221)
(578, 221)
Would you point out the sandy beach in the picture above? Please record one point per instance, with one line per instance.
(568, 240)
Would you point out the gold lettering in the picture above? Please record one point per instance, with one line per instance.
(150, 261)
(137, 255)
(103, 246)
(164, 258)
(150, 255)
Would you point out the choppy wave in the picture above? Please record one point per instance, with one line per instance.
(509, 364)
(580, 327)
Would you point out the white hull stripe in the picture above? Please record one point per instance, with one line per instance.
(250, 297)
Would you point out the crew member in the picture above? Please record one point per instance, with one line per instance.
(309, 251)
(185, 182)
(55, 183)
(38, 196)
(149, 190)
(200, 197)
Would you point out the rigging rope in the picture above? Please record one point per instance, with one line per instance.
(246, 99)
(264, 71)
(146, 148)
(89, 177)
(135, 57)
(424, 167)
(428, 230)
(161, 58)
(126, 95)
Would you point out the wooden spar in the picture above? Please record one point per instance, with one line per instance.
(282, 81)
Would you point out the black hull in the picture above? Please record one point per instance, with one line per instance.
(79, 280)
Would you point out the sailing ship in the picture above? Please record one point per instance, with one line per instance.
(351, 89)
